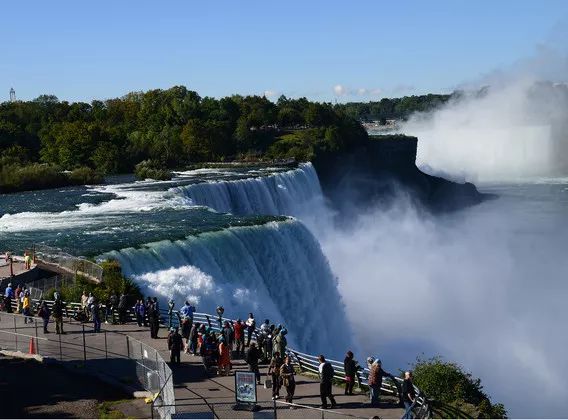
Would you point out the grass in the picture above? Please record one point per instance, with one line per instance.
(107, 410)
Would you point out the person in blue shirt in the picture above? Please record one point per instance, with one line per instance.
(8, 296)
(187, 310)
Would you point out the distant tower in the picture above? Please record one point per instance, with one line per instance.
(12, 95)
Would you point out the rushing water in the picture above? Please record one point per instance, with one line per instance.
(484, 286)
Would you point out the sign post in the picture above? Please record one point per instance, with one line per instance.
(245, 391)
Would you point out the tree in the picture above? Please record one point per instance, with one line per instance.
(448, 383)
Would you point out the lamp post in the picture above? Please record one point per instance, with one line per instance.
(220, 311)
(171, 305)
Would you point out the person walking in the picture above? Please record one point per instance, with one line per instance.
(288, 380)
(153, 319)
(239, 328)
(27, 308)
(274, 370)
(350, 367)
(57, 310)
(112, 307)
(44, 313)
(253, 355)
(251, 325)
(224, 357)
(326, 373)
(175, 344)
(408, 395)
(375, 381)
(96, 315)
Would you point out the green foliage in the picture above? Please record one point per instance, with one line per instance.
(449, 385)
(395, 108)
(151, 132)
(148, 169)
(113, 282)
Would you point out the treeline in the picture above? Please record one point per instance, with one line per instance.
(394, 108)
(168, 129)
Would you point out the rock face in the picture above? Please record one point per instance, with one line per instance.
(383, 169)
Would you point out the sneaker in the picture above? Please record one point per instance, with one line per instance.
(273, 398)
(276, 397)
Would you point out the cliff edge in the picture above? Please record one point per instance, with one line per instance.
(382, 169)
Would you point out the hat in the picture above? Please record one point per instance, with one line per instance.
(172, 329)
(370, 360)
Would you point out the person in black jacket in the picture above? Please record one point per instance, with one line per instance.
(175, 344)
(350, 367)
(122, 307)
(326, 373)
(253, 355)
(408, 395)
(57, 311)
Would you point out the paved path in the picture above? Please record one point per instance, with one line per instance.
(192, 385)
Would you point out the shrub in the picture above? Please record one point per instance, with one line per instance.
(449, 384)
(148, 169)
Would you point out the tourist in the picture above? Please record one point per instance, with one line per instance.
(57, 310)
(228, 334)
(274, 370)
(251, 325)
(112, 307)
(239, 328)
(187, 311)
(122, 307)
(326, 373)
(84, 300)
(27, 260)
(8, 296)
(408, 395)
(287, 375)
(280, 342)
(224, 357)
(153, 319)
(96, 315)
(27, 307)
(265, 327)
(175, 344)
(19, 298)
(252, 358)
(375, 381)
(350, 367)
(193, 338)
(44, 314)
(140, 312)
(186, 326)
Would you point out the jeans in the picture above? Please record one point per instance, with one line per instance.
(407, 411)
(325, 393)
(375, 394)
(97, 324)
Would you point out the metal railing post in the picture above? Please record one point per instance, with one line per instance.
(16, 332)
(60, 349)
(84, 346)
(37, 341)
(106, 351)
(127, 347)
(274, 405)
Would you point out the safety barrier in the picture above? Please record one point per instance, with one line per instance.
(112, 353)
(55, 258)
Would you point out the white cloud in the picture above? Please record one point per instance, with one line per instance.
(340, 90)
(270, 93)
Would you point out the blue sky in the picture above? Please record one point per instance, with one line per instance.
(365, 49)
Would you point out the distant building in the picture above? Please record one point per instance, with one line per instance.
(12, 95)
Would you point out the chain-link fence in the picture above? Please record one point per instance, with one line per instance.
(109, 354)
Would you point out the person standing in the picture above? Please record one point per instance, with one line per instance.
(350, 367)
(326, 373)
(224, 357)
(175, 344)
(251, 325)
(140, 312)
(152, 319)
(96, 315)
(252, 358)
(375, 381)
(239, 328)
(287, 375)
(44, 314)
(408, 395)
(193, 337)
(8, 296)
(112, 307)
(84, 300)
(27, 307)
(57, 310)
(274, 370)
(122, 306)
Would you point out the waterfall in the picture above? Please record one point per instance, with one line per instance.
(276, 270)
(285, 193)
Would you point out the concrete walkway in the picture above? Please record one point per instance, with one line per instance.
(196, 392)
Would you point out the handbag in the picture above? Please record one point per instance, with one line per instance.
(268, 383)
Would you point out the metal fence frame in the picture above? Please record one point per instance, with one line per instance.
(143, 365)
(68, 262)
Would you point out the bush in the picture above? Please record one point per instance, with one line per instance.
(84, 175)
(449, 384)
(149, 170)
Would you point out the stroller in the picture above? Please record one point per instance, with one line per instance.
(209, 356)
